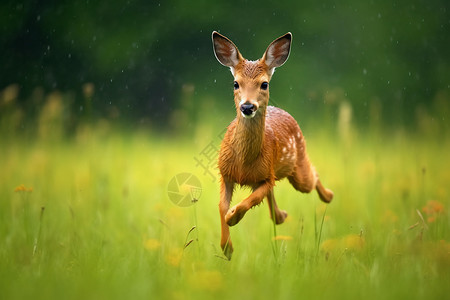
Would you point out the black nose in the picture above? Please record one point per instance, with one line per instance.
(247, 109)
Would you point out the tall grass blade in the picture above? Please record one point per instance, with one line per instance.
(320, 230)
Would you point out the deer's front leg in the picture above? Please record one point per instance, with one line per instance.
(226, 191)
(236, 213)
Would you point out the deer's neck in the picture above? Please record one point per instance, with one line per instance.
(249, 137)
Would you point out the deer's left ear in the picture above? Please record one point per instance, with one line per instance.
(278, 52)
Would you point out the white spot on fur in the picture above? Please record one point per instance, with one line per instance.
(291, 144)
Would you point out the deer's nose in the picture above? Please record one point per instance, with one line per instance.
(247, 109)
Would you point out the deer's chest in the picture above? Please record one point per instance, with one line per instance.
(235, 166)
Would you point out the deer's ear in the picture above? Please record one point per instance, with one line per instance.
(225, 51)
(278, 52)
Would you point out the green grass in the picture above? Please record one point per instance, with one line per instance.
(109, 230)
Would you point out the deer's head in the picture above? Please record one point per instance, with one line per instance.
(251, 78)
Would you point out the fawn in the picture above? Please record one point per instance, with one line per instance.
(263, 143)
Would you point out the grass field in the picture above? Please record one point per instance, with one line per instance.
(89, 217)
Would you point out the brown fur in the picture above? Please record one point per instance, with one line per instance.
(252, 69)
(258, 151)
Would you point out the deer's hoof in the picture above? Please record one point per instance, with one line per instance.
(228, 251)
(233, 216)
(279, 218)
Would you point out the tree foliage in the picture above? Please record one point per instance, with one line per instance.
(140, 54)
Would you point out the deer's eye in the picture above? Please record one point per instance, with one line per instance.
(264, 85)
(236, 85)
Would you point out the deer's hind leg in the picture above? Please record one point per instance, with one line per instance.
(277, 215)
(304, 177)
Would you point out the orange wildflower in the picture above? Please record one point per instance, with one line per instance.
(433, 209)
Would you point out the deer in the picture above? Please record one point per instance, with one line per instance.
(263, 144)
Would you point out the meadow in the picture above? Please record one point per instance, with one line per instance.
(89, 216)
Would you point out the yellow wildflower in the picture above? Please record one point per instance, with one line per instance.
(207, 280)
(389, 217)
(329, 245)
(173, 257)
(353, 242)
(350, 242)
(152, 244)
(282, 238)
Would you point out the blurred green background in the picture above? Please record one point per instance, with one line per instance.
(150, 63)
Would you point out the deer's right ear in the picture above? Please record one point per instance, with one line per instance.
(225, 51)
